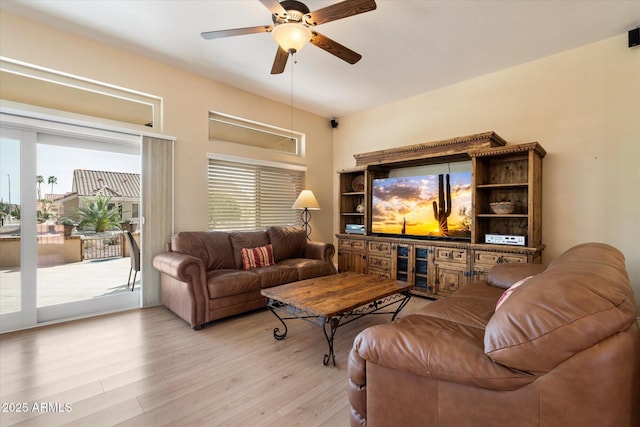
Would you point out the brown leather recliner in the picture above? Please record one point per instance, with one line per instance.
(562, 350)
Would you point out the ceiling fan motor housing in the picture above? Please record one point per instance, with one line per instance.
(295, 12)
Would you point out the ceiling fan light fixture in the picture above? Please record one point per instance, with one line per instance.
(291, 36)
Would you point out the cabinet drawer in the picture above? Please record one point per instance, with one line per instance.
(491, 258)
(382, 248)
(349, 244)
(451, 255)
(379, 262)
(379, 273)
(514, 258)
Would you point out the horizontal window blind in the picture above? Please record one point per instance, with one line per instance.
(251, 197)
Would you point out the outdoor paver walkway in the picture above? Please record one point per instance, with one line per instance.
(68, 282)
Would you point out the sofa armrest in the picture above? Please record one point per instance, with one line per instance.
(433, 348)
(505, 275)
(321, 251)
(180, 266)
(357, 388)
(188, 277)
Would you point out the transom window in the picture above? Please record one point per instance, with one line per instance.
(33, 85)
(224, 128)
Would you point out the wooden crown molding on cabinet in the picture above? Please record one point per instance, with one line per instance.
(509, 149)
(453, 147)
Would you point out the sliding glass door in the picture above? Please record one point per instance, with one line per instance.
(65, 199)
(11, 295)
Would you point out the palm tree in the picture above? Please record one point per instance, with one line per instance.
(98, 214)
(52, 180)
(40, 181)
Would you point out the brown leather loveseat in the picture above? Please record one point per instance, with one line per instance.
(562, 350)
(208, 275)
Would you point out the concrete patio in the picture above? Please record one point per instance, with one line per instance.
(68, 282)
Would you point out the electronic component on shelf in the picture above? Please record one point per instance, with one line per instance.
(504, 239)
(354, 229)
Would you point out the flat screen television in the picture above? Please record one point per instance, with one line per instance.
(435, 206)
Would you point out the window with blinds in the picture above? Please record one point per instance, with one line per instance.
(245, 196)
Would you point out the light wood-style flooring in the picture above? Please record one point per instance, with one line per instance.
(148, 368)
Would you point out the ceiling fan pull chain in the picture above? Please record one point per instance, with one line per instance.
(295, 61)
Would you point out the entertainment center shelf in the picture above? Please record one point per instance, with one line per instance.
(500, 174)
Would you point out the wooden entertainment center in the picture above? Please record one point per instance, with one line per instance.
(500, 172)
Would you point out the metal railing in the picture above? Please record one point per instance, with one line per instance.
(98, 247)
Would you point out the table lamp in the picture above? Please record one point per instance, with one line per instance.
(306, 201)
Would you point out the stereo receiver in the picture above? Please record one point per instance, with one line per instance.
(504, 239)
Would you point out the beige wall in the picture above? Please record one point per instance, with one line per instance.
(187, 98)
(582, 105)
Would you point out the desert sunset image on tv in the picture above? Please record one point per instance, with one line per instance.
(429, 205)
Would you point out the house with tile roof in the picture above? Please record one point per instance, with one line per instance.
(122, 187)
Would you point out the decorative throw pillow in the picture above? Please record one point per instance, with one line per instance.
(506, 294)
(257, 257)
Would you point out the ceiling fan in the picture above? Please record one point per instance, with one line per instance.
(292, 28)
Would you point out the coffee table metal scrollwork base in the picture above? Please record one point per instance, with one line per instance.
(331, 323)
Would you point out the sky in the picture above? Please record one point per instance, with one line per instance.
(58, 161)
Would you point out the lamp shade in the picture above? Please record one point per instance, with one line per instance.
(306, 200)
(290, 36)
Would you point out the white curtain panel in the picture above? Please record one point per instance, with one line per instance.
(157, 211)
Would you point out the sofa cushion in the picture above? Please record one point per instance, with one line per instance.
(582, 298)
(227, 282)
(308, 268)
(288, 242)
(213, 248)
(257, 257)
(472, 305)
(246, 239)
(274, 275)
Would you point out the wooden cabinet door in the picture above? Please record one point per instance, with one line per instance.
(344, 261)
(358, 263)
(421, 267)
(351, 255)
(403, 268)
(450, 277)
(351, 261)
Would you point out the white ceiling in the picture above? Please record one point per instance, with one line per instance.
(408, 46)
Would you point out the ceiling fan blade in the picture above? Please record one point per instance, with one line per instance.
(235, 32)
(340, 10)
(280, 61)
(274, 6)
(335, 48)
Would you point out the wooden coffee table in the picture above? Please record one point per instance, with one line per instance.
(335, 300)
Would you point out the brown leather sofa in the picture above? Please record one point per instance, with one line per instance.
(562, 350)
(202, 275)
